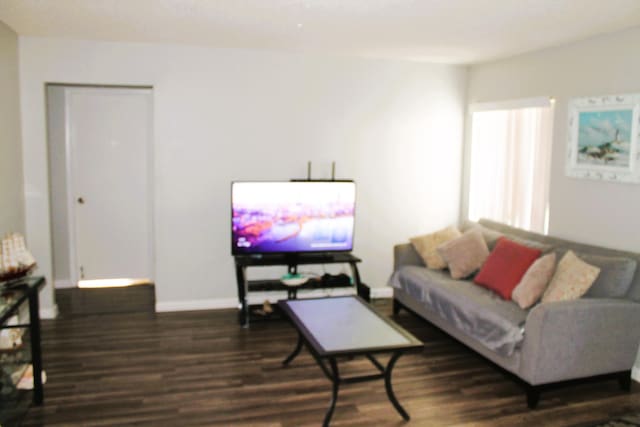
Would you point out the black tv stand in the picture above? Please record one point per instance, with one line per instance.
(292, 261)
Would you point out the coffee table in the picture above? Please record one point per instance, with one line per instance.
(348, 326)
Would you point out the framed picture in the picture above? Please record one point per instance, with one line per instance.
(603, 138)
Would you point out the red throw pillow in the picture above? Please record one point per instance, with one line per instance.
(505, 266)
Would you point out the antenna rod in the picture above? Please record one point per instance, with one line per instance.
(309, 170)
(333, 170)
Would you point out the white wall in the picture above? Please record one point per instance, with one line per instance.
(56, 133)
(225, 114)
(11, 181)
(600, 213)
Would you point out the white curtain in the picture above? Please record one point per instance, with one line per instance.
(510, 162)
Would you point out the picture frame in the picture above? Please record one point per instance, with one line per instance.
(603, 141)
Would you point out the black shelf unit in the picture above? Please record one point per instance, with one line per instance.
(13, 402)
(292, 261)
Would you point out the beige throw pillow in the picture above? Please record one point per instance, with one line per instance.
(572, 279)
(426, 246)
(464, 255)
(535, 281)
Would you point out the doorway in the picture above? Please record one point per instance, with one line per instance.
(100, 164)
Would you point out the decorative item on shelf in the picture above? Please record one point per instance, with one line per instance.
(11, 338)
(294, 279)
(266, 309)
(25, 381)
(15, 259)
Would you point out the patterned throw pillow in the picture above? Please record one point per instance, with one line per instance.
(464, 255)
(535, 281)
(426, 246)
(572, 279)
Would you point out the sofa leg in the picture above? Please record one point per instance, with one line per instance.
(396, 307)
(624, 379)
(533, 397)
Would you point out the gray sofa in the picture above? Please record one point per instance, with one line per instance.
(597, 335)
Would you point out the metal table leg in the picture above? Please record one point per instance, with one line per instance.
(295, 351)
(387, 385)
(334, 391)
(36, 352)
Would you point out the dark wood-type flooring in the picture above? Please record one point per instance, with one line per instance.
(200, 368)
(131, 299)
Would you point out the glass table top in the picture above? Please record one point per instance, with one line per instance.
(347, 324)
(15, 293)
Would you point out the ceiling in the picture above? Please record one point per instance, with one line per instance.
(448, 31)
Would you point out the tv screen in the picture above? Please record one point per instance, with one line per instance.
(286, 217)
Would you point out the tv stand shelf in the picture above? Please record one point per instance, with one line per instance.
(292, 261)
(277, 285)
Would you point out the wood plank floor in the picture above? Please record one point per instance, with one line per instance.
(201, 368)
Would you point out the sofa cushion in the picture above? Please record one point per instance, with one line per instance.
(505, 266)
(426, 246)
(476, 311)
(633, 292)
(544, 248)
(528, 238)
(465, 254)
(490, 236)
(616, 274)
(572, 279)
(535, 281)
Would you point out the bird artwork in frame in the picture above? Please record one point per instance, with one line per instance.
(603, 138)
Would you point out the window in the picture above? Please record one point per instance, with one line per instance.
(510, 163)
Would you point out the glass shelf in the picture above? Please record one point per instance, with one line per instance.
(15, 357)
(14, 293)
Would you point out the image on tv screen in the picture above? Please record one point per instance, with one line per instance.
(278, 217)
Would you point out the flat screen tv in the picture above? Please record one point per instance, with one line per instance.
(292, 216)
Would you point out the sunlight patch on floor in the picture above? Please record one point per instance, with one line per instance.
(112, 283)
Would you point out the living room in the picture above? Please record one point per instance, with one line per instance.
(239, 110)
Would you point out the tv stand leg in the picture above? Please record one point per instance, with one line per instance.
(243, 314)
(243, 306)
(362, 290)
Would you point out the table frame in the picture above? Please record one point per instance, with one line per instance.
(28, 289)
(327, 360)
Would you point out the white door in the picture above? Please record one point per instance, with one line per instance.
(109, 134)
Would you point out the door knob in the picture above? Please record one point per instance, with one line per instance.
(81, 200)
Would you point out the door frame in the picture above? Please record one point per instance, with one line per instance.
(69, 89)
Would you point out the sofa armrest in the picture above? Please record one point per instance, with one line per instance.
(405, 254)
(581, 338)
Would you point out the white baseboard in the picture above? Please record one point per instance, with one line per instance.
(260, 297)
(254, 298)
(198, 304)
(635, 373)
(49, 312)
(382, 292)
(63, 284)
